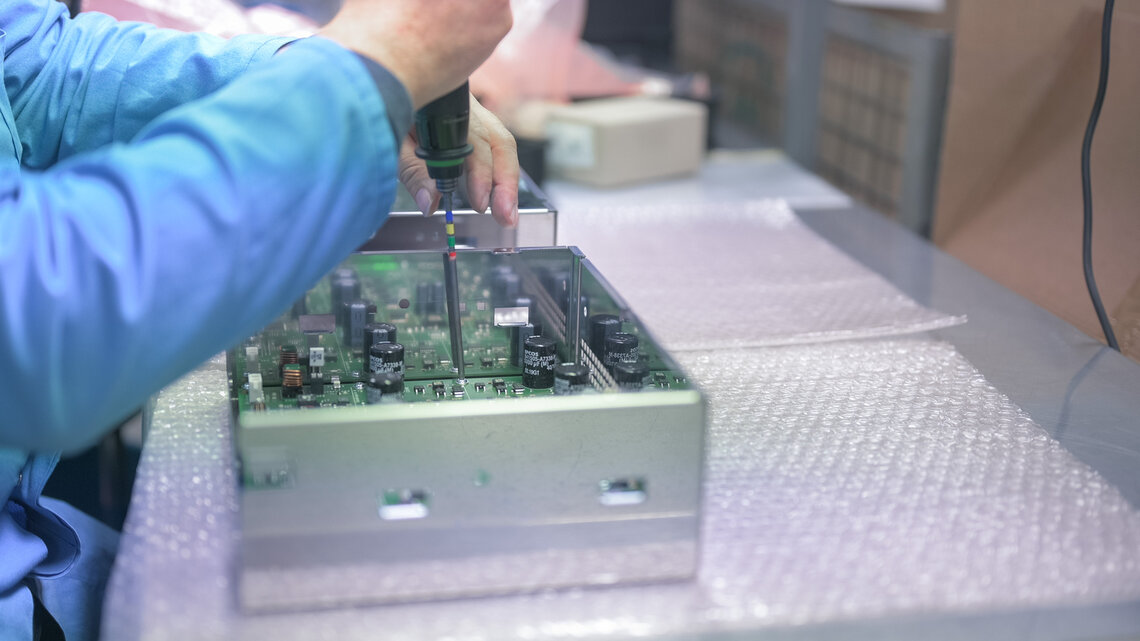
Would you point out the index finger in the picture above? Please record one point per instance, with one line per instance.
(504, 169)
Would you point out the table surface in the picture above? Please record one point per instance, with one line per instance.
(726, 176)
(1084, 394)
(1081, 393)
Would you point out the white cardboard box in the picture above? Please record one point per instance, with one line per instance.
(618, 141)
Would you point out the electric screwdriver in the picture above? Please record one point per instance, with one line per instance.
(441, 127)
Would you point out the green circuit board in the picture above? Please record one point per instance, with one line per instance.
(405, 290)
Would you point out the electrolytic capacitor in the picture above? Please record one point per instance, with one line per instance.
(631, 376)
(571, 378)
(602, 326)
(385, 387)
(620, 348)
(557, 284)
(518, 337)
(357, 319)
(438, 299)
(423, 299)
(378, 333)
(505, 285)
(300, 307)
(539, 354)
(344, 291)
(386, 358)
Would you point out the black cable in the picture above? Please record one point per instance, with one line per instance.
(1086, 177)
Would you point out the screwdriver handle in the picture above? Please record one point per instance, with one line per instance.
(441, 127)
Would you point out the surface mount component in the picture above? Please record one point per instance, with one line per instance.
(359, 453)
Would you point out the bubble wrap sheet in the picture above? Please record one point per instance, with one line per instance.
(844, 481)
(744, 275)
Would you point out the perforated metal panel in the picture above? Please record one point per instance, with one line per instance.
(862, 122)
(743, 47)
(856, 97)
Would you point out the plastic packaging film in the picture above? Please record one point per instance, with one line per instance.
(844, 481)
(219, 17)
(744, 275)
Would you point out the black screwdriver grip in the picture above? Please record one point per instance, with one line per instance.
(441, 126)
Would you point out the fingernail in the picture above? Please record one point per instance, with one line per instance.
(482, 204)
(515, 216)
(423, 201)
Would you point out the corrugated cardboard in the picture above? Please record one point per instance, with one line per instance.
(1009, 200)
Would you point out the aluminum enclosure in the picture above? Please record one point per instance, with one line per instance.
(469, 493)
(408, 229)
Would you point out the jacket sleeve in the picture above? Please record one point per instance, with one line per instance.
(78, 84)
(122, 268)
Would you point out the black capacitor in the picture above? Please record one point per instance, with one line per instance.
(386, 358)
(557, 284)
(571, 378)
(343, 286)
(357, 319)
(620, 348)
(386, 387)
(631, 376)
(602, 326)
(344, 290)
(438, 298)
(539, 354)
(519, 335)
(423, 298)
(505, 287)
(378, 333)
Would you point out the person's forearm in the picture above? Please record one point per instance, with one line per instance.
(78, 84)
(121, 269)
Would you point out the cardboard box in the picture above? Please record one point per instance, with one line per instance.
(1009, 194)
(618, 141)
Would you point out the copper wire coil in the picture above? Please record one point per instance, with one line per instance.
(291, 378)
(289, 356)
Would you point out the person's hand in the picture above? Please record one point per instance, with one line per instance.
(492, 170)
(431, 46)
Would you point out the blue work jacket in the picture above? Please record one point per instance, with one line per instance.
(162, 195)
